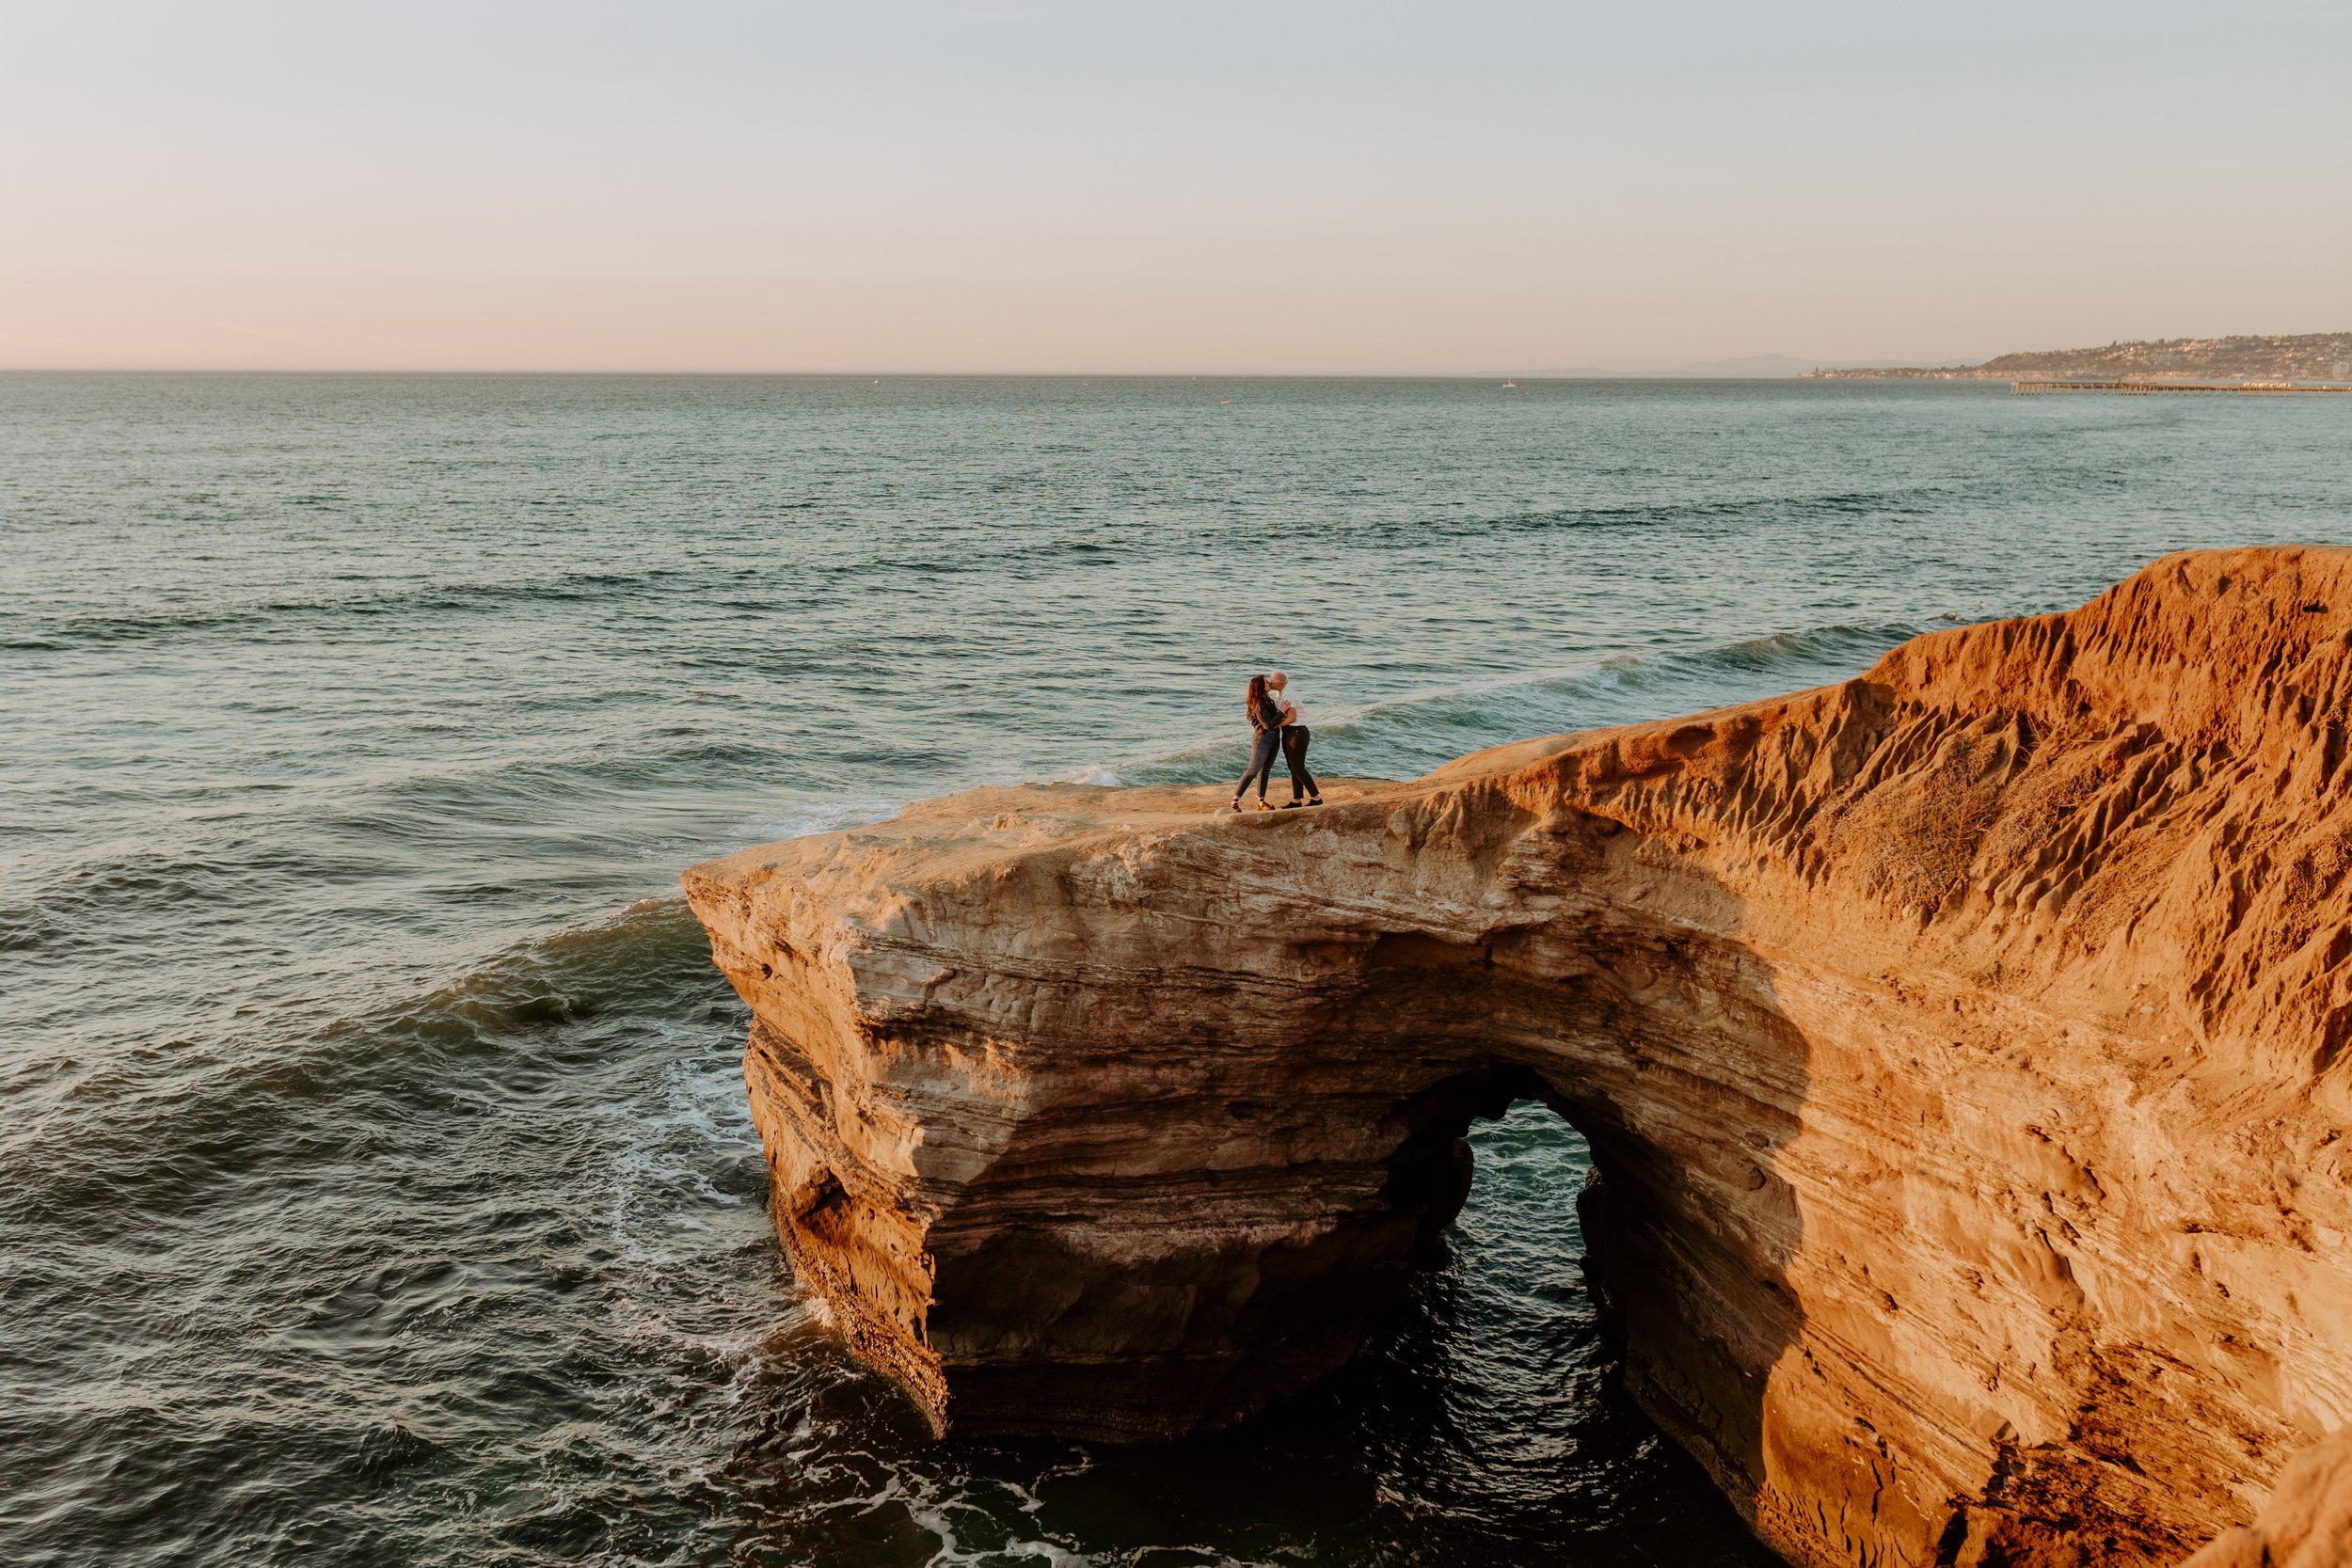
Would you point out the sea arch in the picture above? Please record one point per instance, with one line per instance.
(1916, 1025)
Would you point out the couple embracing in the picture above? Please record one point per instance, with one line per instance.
(1281, 724)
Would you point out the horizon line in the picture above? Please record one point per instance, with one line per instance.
(1662, 374)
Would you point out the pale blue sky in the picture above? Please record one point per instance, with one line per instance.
(1309, 187)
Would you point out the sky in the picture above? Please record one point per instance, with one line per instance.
(1465, 187)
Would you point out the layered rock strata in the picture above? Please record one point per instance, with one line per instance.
(2307, 1523)
(1961, 1049)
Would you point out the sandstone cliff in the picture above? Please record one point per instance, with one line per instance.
(2307, 1523)
(1961, 1049)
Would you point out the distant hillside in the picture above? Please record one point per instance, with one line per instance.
(2314, 356)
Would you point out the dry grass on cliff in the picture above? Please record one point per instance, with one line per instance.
(1914, 836)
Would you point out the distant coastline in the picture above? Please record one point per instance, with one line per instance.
(2316, 357)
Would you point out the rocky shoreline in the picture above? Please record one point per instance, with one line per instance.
(1960, 1048)
(2315, 356)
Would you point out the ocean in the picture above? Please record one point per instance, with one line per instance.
(375, 1182)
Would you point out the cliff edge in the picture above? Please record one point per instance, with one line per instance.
(1961, 1049)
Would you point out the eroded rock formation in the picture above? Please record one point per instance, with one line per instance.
(1961, 1049)
(2307, 1523)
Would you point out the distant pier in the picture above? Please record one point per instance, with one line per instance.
(2189, 389)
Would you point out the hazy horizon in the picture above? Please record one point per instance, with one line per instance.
(1053, 189)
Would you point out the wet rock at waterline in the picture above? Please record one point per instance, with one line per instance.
(1960, 1049)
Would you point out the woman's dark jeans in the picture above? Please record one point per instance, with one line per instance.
(1261, 763)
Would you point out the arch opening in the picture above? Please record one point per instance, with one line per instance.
(1493, 1387)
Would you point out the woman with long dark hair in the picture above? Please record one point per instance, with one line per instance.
(1265, 718)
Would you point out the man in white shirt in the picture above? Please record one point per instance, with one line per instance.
(1304, 790)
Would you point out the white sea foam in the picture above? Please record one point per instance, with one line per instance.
(819, 817)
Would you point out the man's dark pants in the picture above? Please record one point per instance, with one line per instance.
(1294, 739)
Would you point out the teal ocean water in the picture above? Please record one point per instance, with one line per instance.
(376, 1185)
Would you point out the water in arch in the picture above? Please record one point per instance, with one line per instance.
(1483, 1421)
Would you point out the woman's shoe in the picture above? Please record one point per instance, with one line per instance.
(1293, 805)
(1312, 800)
(1236, 805)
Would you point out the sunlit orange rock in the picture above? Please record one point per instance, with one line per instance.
(1961, 1049)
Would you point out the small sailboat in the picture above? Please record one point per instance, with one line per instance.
(1510, 386)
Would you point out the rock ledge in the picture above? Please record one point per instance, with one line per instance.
(1961, 1049)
